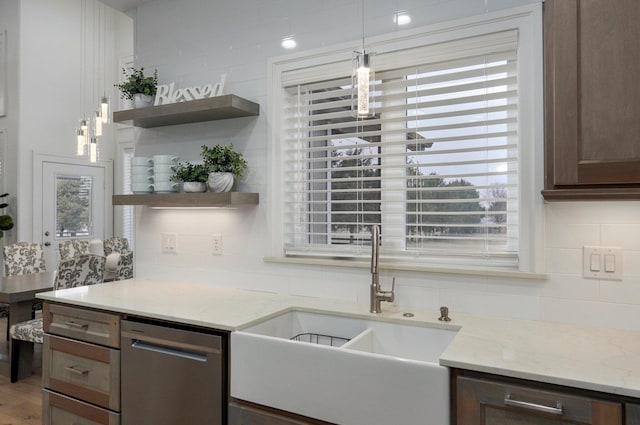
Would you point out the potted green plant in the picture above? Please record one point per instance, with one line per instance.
(192, 176)
(225, 165)
(138, 87)
(6, 221)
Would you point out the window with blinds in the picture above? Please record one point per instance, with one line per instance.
(436, 167)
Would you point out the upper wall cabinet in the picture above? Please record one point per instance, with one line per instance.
(592, 107)
(207, 109)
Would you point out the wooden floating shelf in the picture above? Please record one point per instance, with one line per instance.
(208, 109)
(186, 200)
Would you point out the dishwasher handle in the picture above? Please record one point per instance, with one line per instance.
(170, 351)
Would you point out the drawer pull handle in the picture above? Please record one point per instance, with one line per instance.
(76, 371)
(83, 326)
(508, 401)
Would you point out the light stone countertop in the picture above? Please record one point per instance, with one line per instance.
(599, 359)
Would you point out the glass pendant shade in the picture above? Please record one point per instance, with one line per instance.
(97, 131)
(362, 83)
(80, 142)
(93, 150)
(84, 125)
(104, 109)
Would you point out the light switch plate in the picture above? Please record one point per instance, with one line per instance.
(169, 243)
(601, 262)
(216, 244)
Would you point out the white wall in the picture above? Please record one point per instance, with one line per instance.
(193, 42)
(67, 60)
(9, 19)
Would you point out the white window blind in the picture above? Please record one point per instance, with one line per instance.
(436, 167)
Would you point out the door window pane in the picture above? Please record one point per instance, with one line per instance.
(73, 206)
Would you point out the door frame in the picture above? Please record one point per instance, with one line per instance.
(39, 159)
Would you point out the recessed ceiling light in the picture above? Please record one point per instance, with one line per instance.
(288, 42)
(401, 18)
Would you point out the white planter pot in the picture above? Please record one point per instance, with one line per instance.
(142, 100)
(194, 187)
(220, 182)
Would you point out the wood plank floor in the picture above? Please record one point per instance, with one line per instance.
(21, 402)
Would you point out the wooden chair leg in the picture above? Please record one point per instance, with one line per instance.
(15, 359)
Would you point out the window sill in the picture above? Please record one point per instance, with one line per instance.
(486, 272)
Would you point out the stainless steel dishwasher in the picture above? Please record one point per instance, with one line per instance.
(171, 375)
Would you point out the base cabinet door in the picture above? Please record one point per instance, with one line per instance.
(59, 409)
(486, 402)
(250, 414)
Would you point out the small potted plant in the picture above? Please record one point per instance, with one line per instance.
(6, 221)
(225, 165)
(137, 87)
(192, 176)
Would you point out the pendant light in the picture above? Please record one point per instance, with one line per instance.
(104, 109)
(80, 142)
(362, 81)
(93, 150)
(97, 128)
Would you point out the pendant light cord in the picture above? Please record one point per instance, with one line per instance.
(362, 26)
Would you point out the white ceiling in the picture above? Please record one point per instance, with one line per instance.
(124, 5)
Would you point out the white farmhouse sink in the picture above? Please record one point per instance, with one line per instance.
(374, 373)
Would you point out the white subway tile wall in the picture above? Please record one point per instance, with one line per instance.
(194, 42)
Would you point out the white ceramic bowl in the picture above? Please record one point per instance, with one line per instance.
(162, 177)
(141, 160)
(165, 159)
(141, 179)
(142, 170)
(162, 168)
(142, 188)
(165, 187)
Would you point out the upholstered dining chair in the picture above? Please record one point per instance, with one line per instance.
(23, 258)
(72, 248)
(85, 269)
(117, 248)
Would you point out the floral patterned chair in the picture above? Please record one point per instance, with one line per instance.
(22, 258)
(72, 248)
(81, 270)
(117, 251)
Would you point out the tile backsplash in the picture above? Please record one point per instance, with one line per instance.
(192, 51)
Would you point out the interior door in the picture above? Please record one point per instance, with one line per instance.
(73, 205)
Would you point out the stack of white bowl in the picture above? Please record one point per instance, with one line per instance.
(162, 173)
(141, 174)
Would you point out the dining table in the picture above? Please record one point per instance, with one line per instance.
(19, 293)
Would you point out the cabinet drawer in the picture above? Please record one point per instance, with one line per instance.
(492, 402)
(81, 324)
(245, 414)
(84, 371)
(58, 409)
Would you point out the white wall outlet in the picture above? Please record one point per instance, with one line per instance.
(601, 262)
(169, 243)
(216, 244)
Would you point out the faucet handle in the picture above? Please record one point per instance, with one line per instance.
(389, 296)
(444, 314)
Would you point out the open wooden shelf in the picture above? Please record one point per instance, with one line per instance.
(208, 109)
(185, 200)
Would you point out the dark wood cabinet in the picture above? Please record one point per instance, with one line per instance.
(484, 401)
(592, 107)
(245, 413)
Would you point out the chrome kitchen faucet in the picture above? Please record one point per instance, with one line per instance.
(377, 295)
